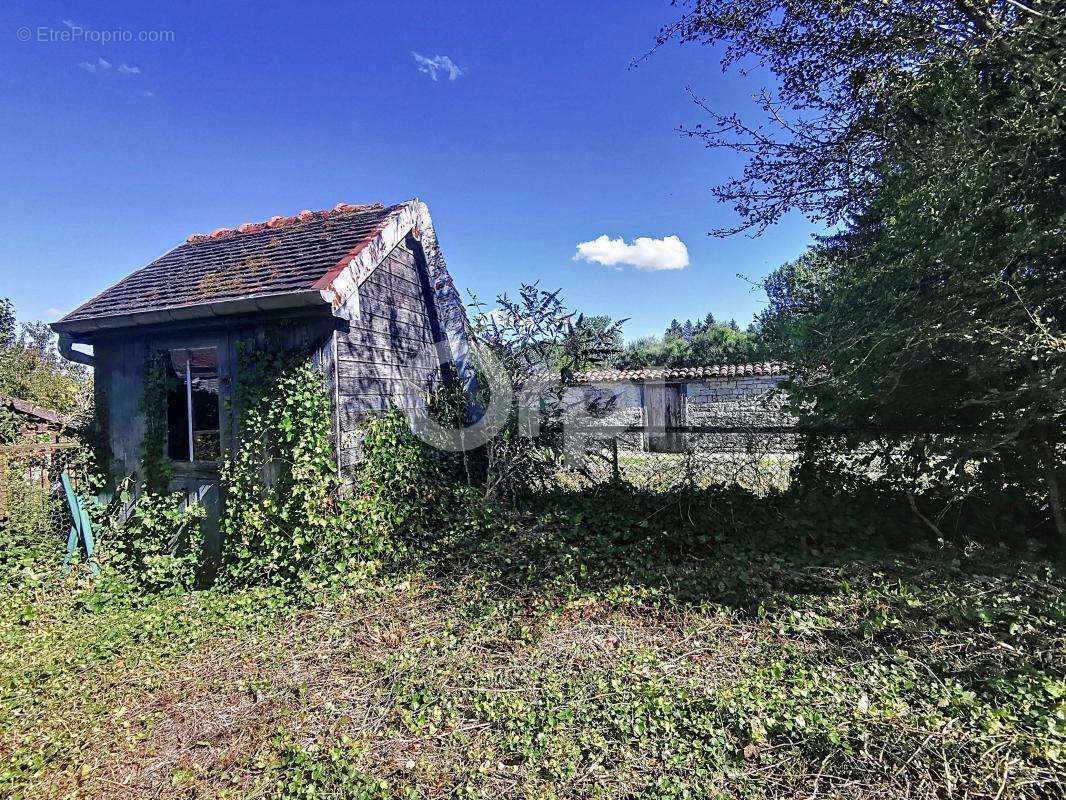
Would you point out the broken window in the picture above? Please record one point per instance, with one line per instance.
(192, 405)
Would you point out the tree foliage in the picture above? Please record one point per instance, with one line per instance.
(31, 368)
(694, 344)
(843, 73)
(932, 131)
(535, 332)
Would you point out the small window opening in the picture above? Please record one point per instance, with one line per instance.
(192, 405)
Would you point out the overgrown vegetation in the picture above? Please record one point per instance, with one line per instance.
(929, 133)
(278, 522)
(406, 636)
(614, 643)
(289, 520)
(404, 639)
(31, 369)
(156, 470)
(530, 345)
(890, 624)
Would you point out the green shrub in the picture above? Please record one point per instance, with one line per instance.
(406, 491)
(159, 547)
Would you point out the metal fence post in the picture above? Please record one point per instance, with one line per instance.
(616, 473)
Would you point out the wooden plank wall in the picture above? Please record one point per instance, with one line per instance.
(121, 361)
(387, 356)
(663, 409)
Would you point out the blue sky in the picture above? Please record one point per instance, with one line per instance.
(113, 152)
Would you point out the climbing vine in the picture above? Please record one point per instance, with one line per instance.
(289, 520)
(156, 469)
(160, 546)
(280, 518)
(150, 538)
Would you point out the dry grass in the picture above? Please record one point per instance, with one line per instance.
(540, 670)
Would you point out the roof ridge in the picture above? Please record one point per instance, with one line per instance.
(752, 369)
(280, 221)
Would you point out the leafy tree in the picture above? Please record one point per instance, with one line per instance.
(931, 133)
(535, 333)
(31, 368)
(7, 323)
(707, 344)
(597, 338)
(843, 74)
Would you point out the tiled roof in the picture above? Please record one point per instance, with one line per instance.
(766, 369)
(46, 414)
(279, 256)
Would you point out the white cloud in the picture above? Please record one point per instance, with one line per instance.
(54, 313)
(103, 67)
(95, 66)
(643, 252)
(437, 65)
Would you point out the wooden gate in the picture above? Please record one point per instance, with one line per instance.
(664, 410)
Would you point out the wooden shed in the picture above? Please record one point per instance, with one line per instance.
(364, 288)
(34, 424)
(32, 440)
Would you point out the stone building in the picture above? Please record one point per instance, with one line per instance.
(693, 408)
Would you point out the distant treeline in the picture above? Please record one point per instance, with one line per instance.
(695, 343)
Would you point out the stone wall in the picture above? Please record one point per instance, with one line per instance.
(751, 402)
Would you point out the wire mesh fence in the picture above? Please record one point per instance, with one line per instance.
(663, 460)
(30, 490)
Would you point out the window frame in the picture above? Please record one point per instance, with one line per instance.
(190, 415)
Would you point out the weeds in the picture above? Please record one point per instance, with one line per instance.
(568, 656)
(610, 643)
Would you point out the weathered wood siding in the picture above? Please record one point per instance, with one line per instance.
(121, 362)
(663, 409)
(387, 356)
